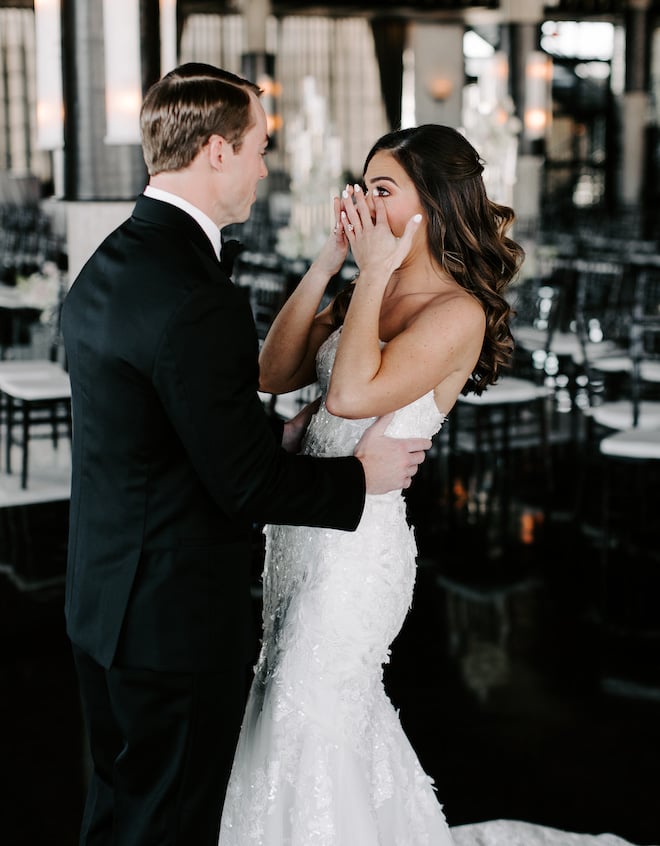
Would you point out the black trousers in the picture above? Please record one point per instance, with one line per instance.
(162, 746)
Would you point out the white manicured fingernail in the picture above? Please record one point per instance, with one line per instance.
(357, 188)
(344, 194)
(417, 218)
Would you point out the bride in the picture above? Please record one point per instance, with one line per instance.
(322, 758)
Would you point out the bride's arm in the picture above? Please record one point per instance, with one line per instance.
(378, 254)
(440, 345)
(287, 358)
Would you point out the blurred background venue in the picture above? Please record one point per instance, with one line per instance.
(528, 672)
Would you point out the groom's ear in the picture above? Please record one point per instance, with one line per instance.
(218, 149)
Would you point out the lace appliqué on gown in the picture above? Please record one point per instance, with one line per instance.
(322, 759)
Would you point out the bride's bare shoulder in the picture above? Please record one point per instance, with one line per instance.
(453, 309)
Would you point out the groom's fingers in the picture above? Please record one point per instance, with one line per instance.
(418, 446)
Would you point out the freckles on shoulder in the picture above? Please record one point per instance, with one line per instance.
(459, 313)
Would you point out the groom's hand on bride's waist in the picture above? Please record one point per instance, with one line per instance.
(389, 463)
(294, 429)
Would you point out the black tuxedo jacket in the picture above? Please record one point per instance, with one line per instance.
(174, 457)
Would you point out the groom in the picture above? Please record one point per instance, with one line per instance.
(174, 459)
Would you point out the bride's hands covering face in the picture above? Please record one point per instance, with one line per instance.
(370, 237)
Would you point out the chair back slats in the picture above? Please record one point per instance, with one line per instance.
(603, 313)
(645, 335)
(617, 317)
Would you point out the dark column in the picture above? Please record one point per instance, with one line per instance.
(635, 136)
(101, 181)
(518, 41)
(519, 37)
(389, 40)
(94, 170)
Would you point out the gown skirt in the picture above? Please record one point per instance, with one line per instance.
(322, 758)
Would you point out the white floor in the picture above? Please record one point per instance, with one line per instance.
(49, 473)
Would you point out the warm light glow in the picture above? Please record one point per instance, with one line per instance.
(124, 104)
(440, 88)
(269, 86)
(536, 121)
(539, 68)
(274, 123)
(538, 95)
(123, 72)
(271, 91)
(49, 113)
(501, 116)
(50, 105)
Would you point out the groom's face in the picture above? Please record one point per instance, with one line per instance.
(248, 165)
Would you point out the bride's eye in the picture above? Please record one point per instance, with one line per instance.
(380, 191)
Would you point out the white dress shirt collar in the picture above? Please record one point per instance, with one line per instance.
(204, 220)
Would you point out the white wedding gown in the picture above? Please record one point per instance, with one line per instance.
(322, 759)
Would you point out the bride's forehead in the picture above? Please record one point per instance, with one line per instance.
(384, 164)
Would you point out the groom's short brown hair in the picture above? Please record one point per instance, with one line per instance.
(186, 107)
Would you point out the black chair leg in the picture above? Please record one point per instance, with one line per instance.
(54, 412)
(10, 430)
(26, 436)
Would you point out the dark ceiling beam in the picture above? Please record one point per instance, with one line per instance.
(433, 9)
(564, 10)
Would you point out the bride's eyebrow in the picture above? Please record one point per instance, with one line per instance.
(382, 179)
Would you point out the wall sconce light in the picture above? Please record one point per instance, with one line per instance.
(538, 95)
(50, 105)
(440, 89)
(123, 64)
(260, 67)
(272, 91)
(123, 71)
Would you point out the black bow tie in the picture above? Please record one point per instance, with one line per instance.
(230, 249)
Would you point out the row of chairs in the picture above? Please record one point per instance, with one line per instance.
(595, 324)
(585, 390)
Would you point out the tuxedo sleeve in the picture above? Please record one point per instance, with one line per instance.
(277, 427)
(206, 375)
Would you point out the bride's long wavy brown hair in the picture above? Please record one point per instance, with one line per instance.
(466, 232)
